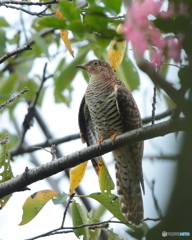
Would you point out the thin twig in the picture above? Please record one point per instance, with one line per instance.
(176, 96)
(151, 186)
(39, 14)
(90, 225)
(158, 116)
(18, 50)
(155, 200)
(13, 98)
(53, 152)
(30, 42)
(23, 26)
(66, 209)
(3, 2)
(27, 123)
(153, 219)
(153, 105)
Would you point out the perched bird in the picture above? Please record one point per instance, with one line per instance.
(107, 110)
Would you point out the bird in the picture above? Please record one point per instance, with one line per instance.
(108, 109)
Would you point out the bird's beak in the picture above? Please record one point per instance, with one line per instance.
(81, 66)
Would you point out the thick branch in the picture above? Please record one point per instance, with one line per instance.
(20, 182)
(50, 141)
(18, 50)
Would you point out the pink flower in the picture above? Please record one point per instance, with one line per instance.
(174, 45)
(137, 38)
(157, 58)
(140, 31)
(143, 34)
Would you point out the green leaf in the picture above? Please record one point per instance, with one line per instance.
(32, 86)
(60, 198)
(5, 168)
(23, 69)
(36, 25)
(97, 22)
(66, 75)
(52, 22)
(42, 44)
(113, 6)
(128, 74)
(77, 28)
(113, 236)
(94, 233)
(111, 203)
(69, 11)
(3, 22)
(2, 42)
(15, 39)
(34, 204)
(99, 211)
(139, 233)
(79, 217)
(8, 86)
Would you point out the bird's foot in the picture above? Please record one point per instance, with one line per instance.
(114, 136)
(99, 142)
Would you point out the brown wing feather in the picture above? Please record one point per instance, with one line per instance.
(131, 119)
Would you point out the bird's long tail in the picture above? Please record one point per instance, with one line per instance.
(128, 185)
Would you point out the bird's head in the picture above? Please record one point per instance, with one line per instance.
(96, 66)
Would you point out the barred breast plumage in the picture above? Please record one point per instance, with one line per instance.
(108, 109)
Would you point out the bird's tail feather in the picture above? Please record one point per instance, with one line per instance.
(128, 186)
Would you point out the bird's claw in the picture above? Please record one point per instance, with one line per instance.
(99, 142)
(113, 137)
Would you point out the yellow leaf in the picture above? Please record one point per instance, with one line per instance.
(64, 36)
(35, 203)
(64, 33)
(105, 181)
(116, 50)
(59, 14)
(76, 175)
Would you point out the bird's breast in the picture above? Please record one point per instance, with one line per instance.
(104, 113)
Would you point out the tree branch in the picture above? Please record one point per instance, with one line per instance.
(30, 42)
(13, 98)
(18, 50)
(29, 116)
(39, 14)
(49, 142)
(27, 3)
(20, 182)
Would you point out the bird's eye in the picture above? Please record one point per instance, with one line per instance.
(96, 63)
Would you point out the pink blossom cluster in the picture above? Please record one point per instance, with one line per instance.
(143, 34)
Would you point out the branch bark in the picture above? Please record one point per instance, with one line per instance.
(50, 141)
(27, 3)
(30, 176)
(18, 50)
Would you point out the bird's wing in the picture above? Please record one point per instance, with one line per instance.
(87, 133)
(131, 120)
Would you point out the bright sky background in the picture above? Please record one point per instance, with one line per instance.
(62, 121)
